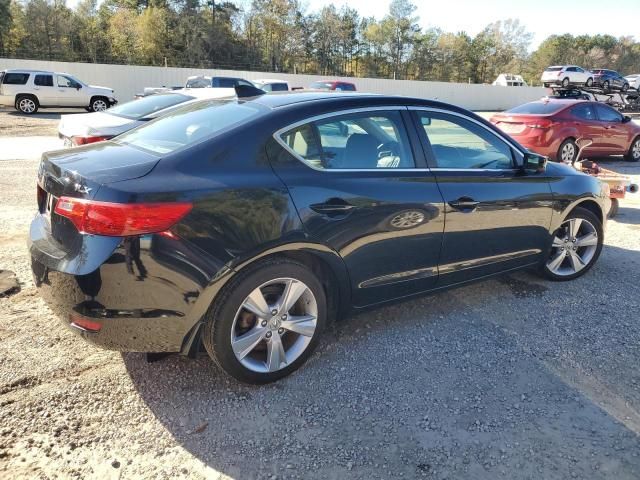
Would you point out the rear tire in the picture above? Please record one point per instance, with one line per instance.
(613, 211)
(576, 246)
(27, 104)
(625, 87)
(606, 85)
(633, 155)
(263, 287)
(567, 152)
(565, 82)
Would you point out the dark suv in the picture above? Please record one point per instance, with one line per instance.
(609, 80)
(250, 225)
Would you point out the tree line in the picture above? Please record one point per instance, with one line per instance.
(280, 36)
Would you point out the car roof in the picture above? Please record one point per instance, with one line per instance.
(270, 80)
(27, 70)
(343, 100)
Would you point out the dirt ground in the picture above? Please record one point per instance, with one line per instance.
(514, 378)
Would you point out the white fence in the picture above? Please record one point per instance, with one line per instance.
(127, 80)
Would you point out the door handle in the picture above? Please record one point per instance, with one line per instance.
(464, 204)
(333, 207)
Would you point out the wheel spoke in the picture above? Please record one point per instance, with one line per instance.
(556, 261)
(304, 325)
(574, 227)
(292, 292)
(256, 303)
(275, 353)
(587, 240)
(576, 261)
(245, 344)
(558, 242)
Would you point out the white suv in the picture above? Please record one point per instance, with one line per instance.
(28, 90)
(565, 75)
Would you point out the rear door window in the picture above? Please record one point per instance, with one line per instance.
(43, 80)
(15, 78)
(362, 141)
(585, 112)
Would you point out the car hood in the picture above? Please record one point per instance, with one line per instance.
(101, 89)
(97, 123)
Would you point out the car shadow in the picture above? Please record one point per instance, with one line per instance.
(628, 215)
(47, 115)
(409, 386)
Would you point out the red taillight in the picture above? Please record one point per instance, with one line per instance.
(77, 141)
(120, 219)
(542, 123)
(83, 323)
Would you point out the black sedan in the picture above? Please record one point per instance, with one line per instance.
(248, 225)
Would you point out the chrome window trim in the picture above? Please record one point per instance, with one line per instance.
(519, 153)
(397, 108)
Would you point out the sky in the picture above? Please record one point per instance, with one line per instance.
(541, 17)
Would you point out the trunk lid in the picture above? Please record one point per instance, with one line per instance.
(521, 124)
(79, 173)
(88, 123)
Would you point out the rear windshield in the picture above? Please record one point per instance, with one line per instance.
(188, 125)
(537, 108)
(321, 85)
(148, 105)
(552, 69)
(345, 87)
(279, 87)
(15, 78)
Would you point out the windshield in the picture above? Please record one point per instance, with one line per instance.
(321, 85)
(552, 69)
(537, 108)
(188, 125)
(146, 106)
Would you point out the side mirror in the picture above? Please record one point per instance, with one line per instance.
(534, 163)
(626, 119)
(78, 87)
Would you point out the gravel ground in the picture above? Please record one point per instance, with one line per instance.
(513, 377)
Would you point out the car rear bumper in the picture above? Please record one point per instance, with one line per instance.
(139, 298)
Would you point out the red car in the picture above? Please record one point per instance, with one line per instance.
(551, 128)
(333, 85)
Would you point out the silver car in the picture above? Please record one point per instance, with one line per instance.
(81, 129)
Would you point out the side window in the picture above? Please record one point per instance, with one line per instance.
(579, 70)
(608, 114)
(369, 140)
(245, 83)
(15, 78)
(279, 87)
(225, 83)
(43, 80)
(460, 143)
(67, 82)
(584, 111)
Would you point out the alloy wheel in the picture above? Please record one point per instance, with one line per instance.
(635, 150)
(568, 153)
(574, 247)
(274, 325)
(407, 219)
(27, 105)
(99, 106)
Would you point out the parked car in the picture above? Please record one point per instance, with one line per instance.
(566, 75)
(29, 90)
(250, 225)
(571, 94)
(333, 85)
(609, 80)
(551, 128)
(153, 90)
(633, 80)
(200, 81)
(272, 85)
(81, 129)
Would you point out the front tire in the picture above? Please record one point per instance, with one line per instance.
(625, 87)
(27, 104)
(99, 104)
(589, 82)
(633, 155)
(606, 85)
(266, 322)
(613, 211)
(576, 246)
(565, 82)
